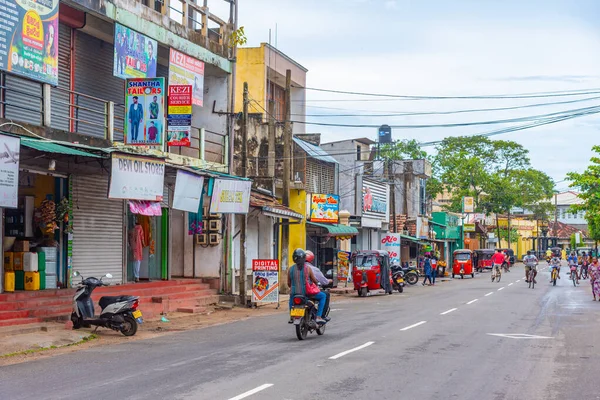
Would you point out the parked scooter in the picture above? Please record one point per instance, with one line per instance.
(304, 317)
(119, 313)
(411, 275)
(398, 281)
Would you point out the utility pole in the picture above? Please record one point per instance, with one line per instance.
(243, 227)
(392, 180)
(555, 213)
(508, 230)
(287, 175)
(271, 152)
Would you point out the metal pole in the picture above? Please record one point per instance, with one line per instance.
(243, 260)
(287, 175)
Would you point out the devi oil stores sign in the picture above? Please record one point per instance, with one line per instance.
(265, 281)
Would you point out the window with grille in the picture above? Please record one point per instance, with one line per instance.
(320, 177)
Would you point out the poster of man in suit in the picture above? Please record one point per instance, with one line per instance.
(145, 114)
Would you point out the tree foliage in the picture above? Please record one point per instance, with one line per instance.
(405, 149)
(588, 183)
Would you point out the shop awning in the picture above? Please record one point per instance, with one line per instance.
(337, 229)
(53, 147)
(407, 237)
(270, 206)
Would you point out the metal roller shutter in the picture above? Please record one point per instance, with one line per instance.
(97, 229)
(94, 77)
(23, 100)
(60, 98)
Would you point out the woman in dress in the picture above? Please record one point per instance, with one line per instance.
(594, 272)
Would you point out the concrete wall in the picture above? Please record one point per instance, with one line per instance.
(298, 110)
(297, 231)
(251, 68)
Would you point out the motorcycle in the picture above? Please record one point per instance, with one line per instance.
(398, 279)
(304, 317)
(119, 313)
(411, 276)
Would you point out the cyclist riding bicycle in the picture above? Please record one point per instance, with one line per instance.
(530, 262)
(497, 261)
(573, 263)
(555, 264)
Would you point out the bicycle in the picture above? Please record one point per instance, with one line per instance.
(574, 276)
(531, 277)
(584, 273)
(496, 273)
(554, 276)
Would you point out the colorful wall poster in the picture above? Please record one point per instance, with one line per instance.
(186, 70)
(265, 281)
(324, 208)
(136, 178)
(179, 115)
(9, 171)
(135, 54)
(29, 39)
(343, 265)
(145, 114)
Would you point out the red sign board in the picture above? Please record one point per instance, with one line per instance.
(179, 115)
(265, 265)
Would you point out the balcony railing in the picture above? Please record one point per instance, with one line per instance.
(54, 107)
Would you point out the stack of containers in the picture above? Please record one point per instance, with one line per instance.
(30, 267)
(42, 269)
(19, 273)
(50, 258)
(9, 273)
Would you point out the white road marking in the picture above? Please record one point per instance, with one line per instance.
(472, 301)
(343, 353)
(489, 294)
(518, 281)
(251, 392)
(449, 311)
(501, 288)
(510, 284)
(519, 336)
(336, 309)
(413, 326)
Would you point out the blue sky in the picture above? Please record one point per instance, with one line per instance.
(444, 47)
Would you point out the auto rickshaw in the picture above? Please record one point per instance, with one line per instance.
(483, 259)
(463, 263)
(371, 272)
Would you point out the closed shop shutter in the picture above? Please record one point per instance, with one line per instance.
(60, 96)
(97, 229)
(94, 77)
(23, 100)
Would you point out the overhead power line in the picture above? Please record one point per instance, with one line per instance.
(415, 113)
(577, 92)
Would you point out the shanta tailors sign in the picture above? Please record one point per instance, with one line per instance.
(145, 118)
(265, 281)
(325, 208)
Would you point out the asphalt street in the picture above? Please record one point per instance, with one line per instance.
(462, 339)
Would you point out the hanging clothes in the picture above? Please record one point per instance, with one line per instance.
(195, 223)
(143, 207)
(136, 242)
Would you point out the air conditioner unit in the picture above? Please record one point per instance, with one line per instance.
(205, 211)
(214, 239)
(202, 239)
(214, 225)
(215, 216)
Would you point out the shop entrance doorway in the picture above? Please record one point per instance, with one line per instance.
(148, 231)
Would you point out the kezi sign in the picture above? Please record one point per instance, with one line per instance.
(179, 115)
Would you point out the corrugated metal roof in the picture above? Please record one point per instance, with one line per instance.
(314, 151)
(52, 147)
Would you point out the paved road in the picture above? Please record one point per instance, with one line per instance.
(443, 342)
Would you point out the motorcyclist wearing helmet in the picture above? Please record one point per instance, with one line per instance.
(298, 275)
(310, 258)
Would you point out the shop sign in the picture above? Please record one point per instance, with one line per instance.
(9, 171)
(343, 265)
(135, 54)
(468, 205)
(179, 115)
(374, 199)
(230, 196)
(422, 227)
(265, 281)
(186, 70)
(136, 178)
(391, 244)
(29, 39)
(469, 227)
(145, 119)
(324, 208)
(188, 191)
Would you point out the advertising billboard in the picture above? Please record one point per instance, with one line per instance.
(186, 70)
(324, 208)
(136, 178)
(29, 39)
(135, 54)
(179, 115)
(145, 118)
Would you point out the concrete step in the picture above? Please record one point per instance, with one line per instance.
(192, 310)
(4, 315)
(55, 311)
(19, 321)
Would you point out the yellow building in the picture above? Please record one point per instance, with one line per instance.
(525, 228)
(264, 69)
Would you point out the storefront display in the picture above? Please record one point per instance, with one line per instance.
(144, 234)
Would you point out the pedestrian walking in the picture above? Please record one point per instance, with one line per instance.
(433, 269)
(427, 270)
(594, 272)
